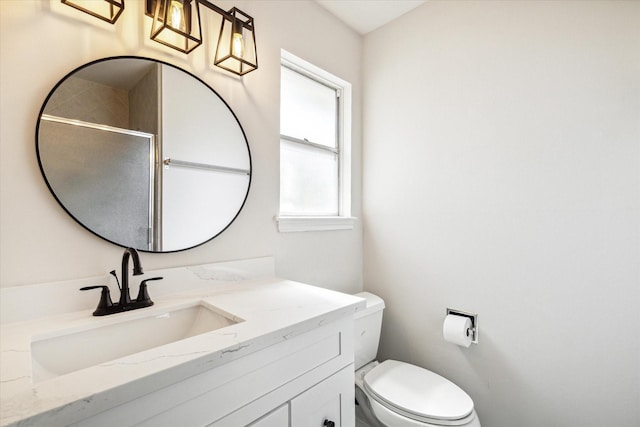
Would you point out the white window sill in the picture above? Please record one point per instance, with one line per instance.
(290, 224)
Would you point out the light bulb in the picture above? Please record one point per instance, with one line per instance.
(237, 42)
(238, 45)
(177, 15)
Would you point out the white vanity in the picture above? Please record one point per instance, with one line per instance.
(227, 349)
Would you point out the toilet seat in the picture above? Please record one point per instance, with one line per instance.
(418, 394)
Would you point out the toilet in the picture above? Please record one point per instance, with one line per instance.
(399, 394)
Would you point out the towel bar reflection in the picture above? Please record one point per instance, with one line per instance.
(173, 162)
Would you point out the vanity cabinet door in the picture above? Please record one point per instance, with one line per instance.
(277, 418)
(330, 401)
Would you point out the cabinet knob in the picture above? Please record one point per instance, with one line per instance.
(328, 423)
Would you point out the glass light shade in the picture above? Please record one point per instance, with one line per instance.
(236, 50)
(107, 10)
(176, 23)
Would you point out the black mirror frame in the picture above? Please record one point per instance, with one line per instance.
(40, 165)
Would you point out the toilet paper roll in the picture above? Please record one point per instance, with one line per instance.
(457, 330)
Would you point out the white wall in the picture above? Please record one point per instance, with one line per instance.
(502, 176)
(41, 41)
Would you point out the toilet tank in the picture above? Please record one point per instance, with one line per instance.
(367, 327)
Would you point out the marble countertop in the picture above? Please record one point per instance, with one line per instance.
(271, 309)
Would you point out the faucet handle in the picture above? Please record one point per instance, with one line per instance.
(143, 294)
(113, 273)
(105, 303)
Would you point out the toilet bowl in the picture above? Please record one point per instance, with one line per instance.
(399, 394)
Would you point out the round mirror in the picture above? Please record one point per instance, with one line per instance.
(143, 154)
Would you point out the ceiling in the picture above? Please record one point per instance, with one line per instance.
(366, 15)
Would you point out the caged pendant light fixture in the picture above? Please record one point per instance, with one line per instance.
(243, 55)
(236, 50)
(107, 10)
(177, 24)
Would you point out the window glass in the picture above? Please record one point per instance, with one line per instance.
(308, 109)
(309, 146)
(309, 180)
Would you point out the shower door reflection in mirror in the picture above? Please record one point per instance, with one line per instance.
(104, 175)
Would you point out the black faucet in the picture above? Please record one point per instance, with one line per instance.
(125, 299)
(106, 306)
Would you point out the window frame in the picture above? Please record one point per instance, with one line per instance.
(344, 220)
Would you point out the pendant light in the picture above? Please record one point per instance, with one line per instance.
(107, 10)
(236, 51)
(176, 23)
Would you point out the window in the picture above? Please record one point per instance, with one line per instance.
(315, 128)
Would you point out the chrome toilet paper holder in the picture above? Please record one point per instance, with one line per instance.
(474, 322)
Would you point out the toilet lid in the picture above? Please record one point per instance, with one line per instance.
(417, 393)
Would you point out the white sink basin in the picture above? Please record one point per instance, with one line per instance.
(124, 334)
